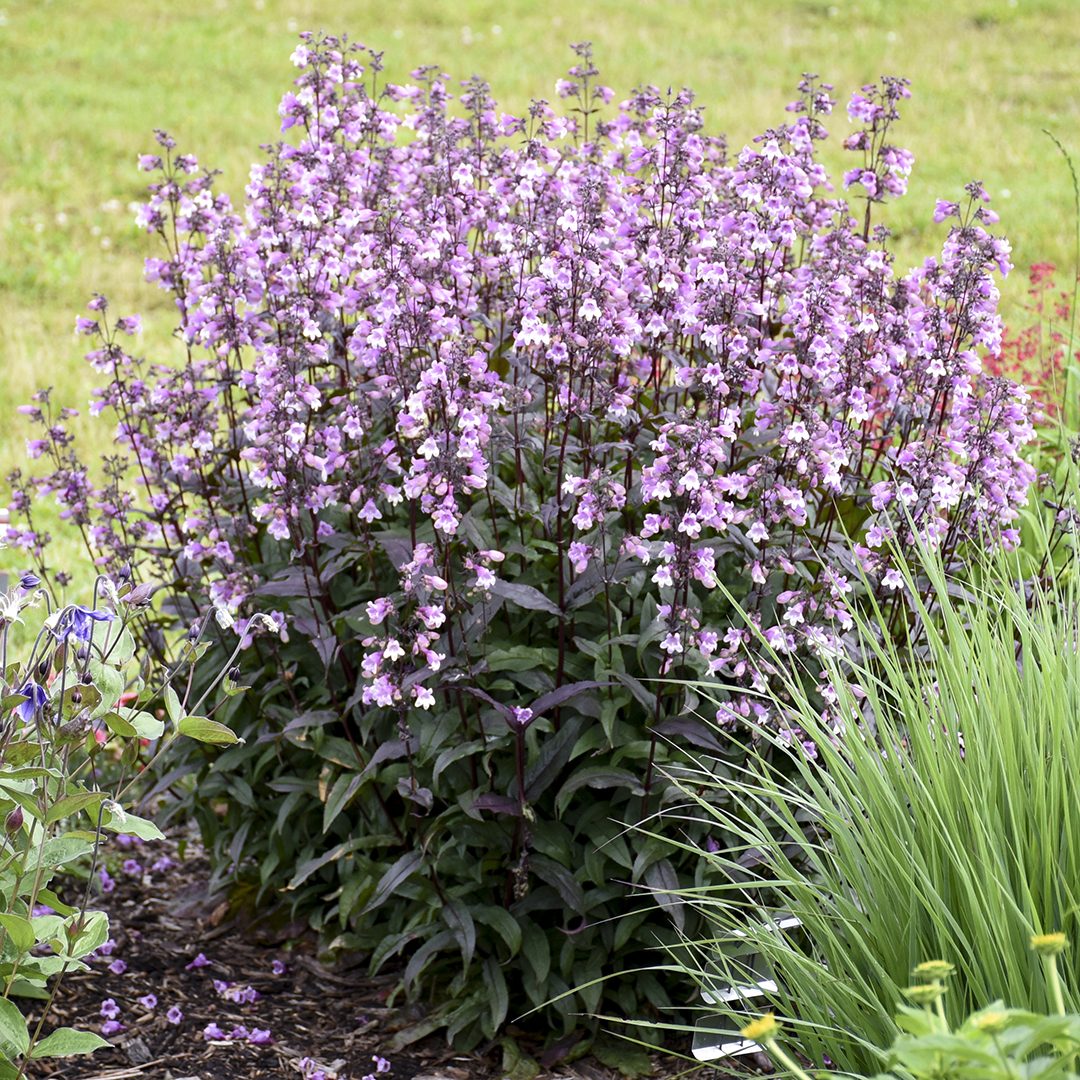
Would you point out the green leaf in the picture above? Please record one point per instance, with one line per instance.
(20, 931)
(525, 596)
(503, 923)
(121, 652)
(309, 866)
(26, 989)
(94, 933)
(119, 726)
(172, 705)
(146, 725)
(399, 872)
(595, 776)
(72, 804)
(67, 1042)
(47, 896)
(14, 1038)
(60, 850)
(207, 731)
(537, 951)
(133, 825)
(110, 685)
(79, 697)
(344, 789)
(498, 996)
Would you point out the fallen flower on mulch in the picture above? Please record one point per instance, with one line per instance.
(183, 994)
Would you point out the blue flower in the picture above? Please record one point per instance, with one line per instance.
(78, 622)
(36, 697)
(29, 581)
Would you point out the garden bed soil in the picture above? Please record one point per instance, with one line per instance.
(316, 1017)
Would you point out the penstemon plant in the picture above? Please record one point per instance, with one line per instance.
(74, 722)
(485, 408)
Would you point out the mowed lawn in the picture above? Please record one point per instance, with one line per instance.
(86, 82)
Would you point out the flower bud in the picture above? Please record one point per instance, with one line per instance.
(926, 994)
(14, 821)
(1049, 944)
(990, 1021)
(934, 970)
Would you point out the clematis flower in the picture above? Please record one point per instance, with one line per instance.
(76, 621)
(36, 699)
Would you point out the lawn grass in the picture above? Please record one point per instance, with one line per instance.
(85, 82)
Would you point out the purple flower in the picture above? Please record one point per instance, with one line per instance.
(109, 1009)
(148, 1001)
(238, 1032)
(132, 867)
(212, 1031)
(382, 1065)
(78, 622)
(162, 864)
(107, 883)
(200, 961)
(118, 967)
(278, 968)
(111, 1027)
(36, 698)
(124, 840)
(260, 1036)
(108, 947)
(174, 1015)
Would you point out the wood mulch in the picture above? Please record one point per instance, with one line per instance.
(314, 1018)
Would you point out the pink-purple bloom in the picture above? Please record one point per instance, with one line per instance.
(361, 387)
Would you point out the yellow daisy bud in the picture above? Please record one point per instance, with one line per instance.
(1049, 944)
(926, 994)
(990, 1020)
(764, 1027)
(934, 970)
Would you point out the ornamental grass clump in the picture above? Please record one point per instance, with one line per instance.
(484, 407)
(942, 821)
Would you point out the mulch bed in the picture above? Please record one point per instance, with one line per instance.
(333, 1019)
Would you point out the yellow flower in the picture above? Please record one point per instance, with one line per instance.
(764, 1027)
(934, 970)
(1049, 944)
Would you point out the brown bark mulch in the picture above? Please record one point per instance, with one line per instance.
(335, 1020)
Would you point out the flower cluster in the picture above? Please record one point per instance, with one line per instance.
(599, 336)
(491, 420)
